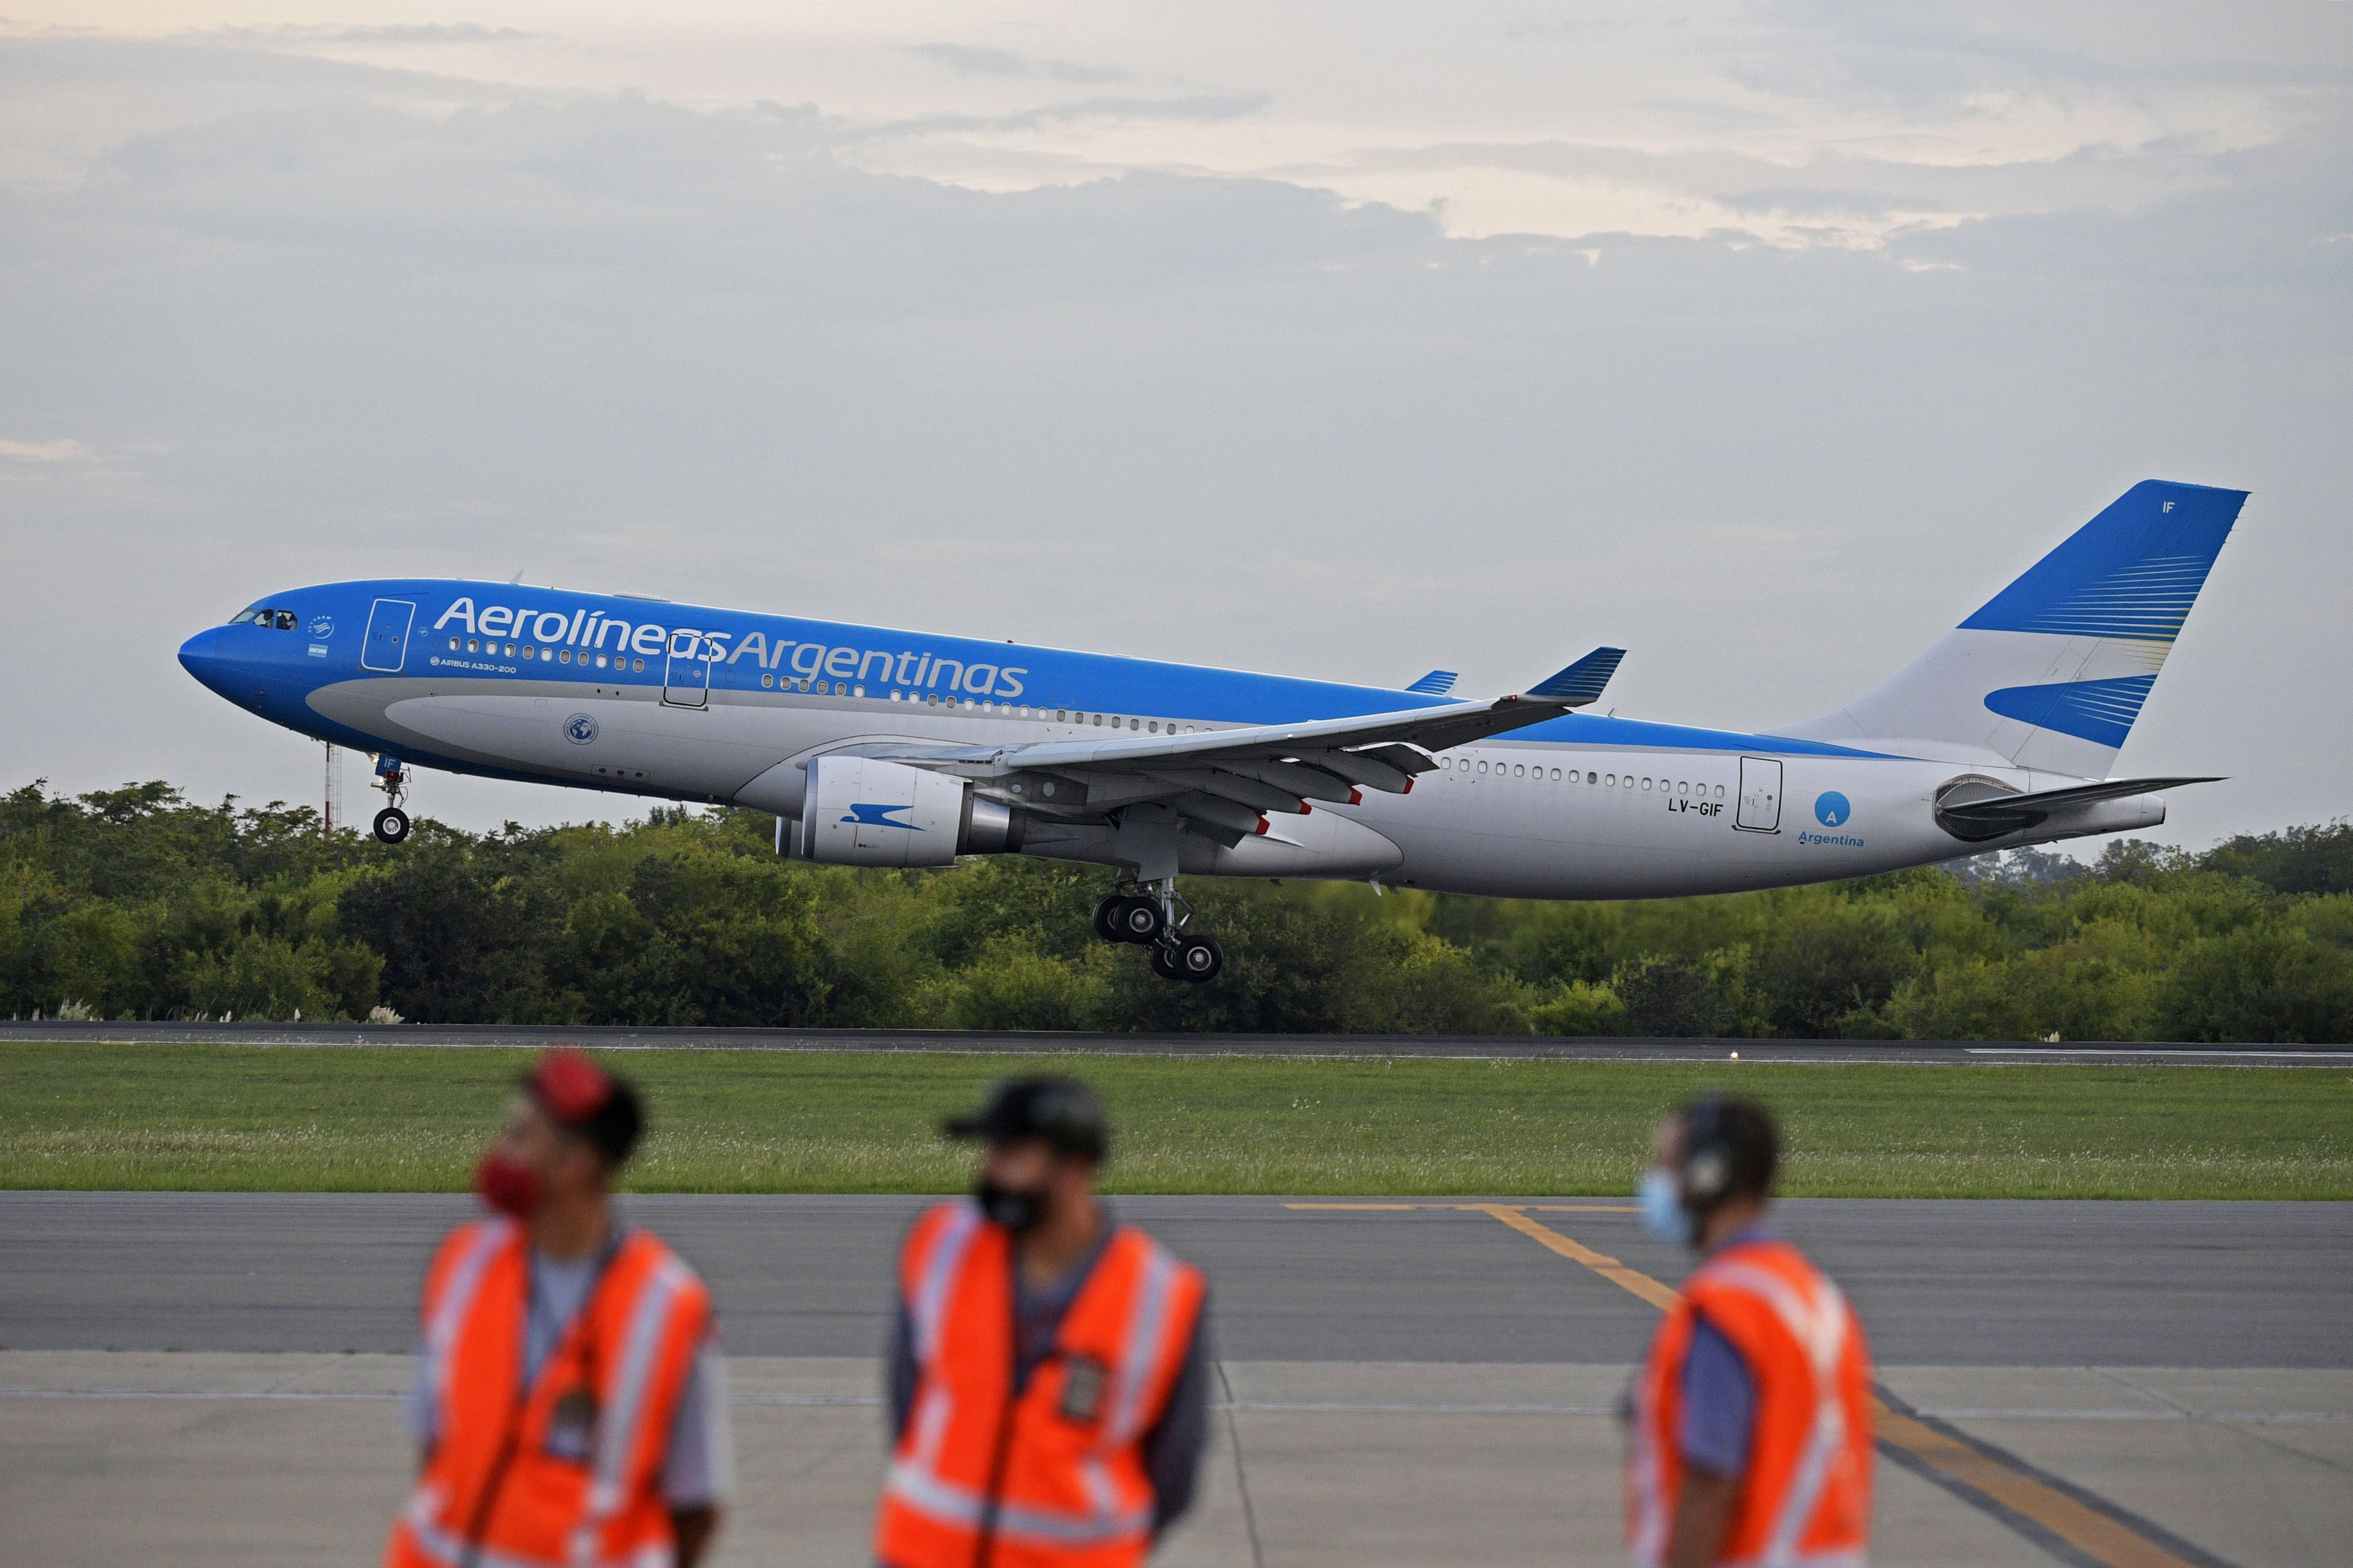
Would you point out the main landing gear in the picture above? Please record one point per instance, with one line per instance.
(391, 823)
(1156, 920)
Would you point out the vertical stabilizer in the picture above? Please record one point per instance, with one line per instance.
(2052, 671)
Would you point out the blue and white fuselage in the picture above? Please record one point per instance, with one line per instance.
(2003, 734)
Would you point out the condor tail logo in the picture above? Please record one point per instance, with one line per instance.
(873, 815)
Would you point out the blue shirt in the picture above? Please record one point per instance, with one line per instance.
(1719, 1391)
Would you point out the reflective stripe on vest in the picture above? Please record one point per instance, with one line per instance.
(444, 1547)
(1073, 1486)
(615, 1436)
(447, 1315)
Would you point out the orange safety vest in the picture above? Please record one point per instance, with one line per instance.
(564, 1473)
(1805, 1497)
(1052, 1476)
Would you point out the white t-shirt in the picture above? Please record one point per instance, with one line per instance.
(698, 1463)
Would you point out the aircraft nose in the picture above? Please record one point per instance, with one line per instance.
(201, 657)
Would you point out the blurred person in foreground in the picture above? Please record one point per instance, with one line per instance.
(1751, 1423)
(1049, 1372)
(570, 1402)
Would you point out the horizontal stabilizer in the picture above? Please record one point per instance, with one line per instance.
(1995, 808)
(1437, 683)
(1581, 683)
(1976, 810)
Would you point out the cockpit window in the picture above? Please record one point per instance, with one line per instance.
(285, 620)
(247, 617)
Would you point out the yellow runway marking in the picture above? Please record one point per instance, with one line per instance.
(1660, 1296)
(1476, 1206)
(2095, 1534)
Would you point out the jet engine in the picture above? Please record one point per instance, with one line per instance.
(862, 811)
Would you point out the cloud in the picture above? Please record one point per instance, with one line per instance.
(965, 60)
(45, 451)
(1198, 107)
(399, 34)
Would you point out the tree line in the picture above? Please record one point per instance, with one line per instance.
(138, 903)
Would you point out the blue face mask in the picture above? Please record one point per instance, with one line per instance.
(1663, 1206)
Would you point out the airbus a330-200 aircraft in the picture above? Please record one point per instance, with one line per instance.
(886, 748)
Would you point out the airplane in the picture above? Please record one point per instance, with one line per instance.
(877, 747)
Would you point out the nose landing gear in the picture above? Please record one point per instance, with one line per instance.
(391, 823)
(1157, 920)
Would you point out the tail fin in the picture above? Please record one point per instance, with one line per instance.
(2052, 671)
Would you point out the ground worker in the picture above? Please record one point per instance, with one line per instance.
(1050, 1370)
(1750, 1439)
(570, 1401)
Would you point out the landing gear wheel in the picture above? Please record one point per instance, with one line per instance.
(391, 825)
(1106, 918)
(1164, 961)
(1195, 958)
(1136, 920)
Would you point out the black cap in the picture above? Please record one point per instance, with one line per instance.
(1063, 1111)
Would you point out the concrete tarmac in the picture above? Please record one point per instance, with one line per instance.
(1939, 1283)
(532, 1036)
(214, 1380)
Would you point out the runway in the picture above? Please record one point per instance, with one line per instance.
(2016, 1284)
(215, 1378)
(527, 1037)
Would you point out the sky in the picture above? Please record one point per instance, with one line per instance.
(1347, 341)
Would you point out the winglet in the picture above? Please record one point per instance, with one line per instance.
(1437, 683)
(1581, 682)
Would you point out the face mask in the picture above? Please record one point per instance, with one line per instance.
(1014, 1209)
(507, 1186)
(1663, 1206)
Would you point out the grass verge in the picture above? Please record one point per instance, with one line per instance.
(230, 1118)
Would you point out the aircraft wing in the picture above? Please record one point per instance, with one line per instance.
(1223, 781)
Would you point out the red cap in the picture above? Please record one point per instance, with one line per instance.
(569, 1085)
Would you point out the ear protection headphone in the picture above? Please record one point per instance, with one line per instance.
(1705, 1167)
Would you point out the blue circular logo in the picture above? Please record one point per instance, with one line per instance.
(323, 625)
(580, 729)
(1830, 808)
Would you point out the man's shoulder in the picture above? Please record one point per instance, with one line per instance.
(474, 1238)
(642, 1251)
(1152, 1255)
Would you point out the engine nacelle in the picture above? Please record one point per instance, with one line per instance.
(862, 811)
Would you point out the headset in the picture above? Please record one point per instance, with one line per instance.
(1705, 1167)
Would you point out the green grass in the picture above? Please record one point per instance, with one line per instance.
(228, 1118)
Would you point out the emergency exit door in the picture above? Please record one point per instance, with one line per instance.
(686, 679)
(1760, 796)
(386, 647)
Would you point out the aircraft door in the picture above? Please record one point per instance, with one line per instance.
(1760, 794)
(386, 647)
(686, 679)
